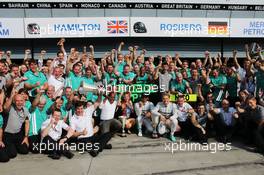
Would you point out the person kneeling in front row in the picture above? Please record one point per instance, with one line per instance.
(51, 134)
(82, 124)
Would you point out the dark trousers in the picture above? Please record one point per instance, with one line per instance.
(53, 147)
(98, 141)
(198, 134)
(34, 142)
(112, 125)
(3, 155)
(13, 145)
(259, 138)
(222, 129)
(186, 128)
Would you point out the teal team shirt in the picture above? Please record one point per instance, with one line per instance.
(173, 75)
(34, 78)
(48, 104)
(179, 87)
(128, 76)
(28, 104)
(1, 121)
(231, 85)
(120, 66)
(111, 79)
(36, 118)
(142, 79)
(260, 80)
(73, 81)
(218, 82)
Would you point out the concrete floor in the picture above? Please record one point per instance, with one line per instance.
(135, 155)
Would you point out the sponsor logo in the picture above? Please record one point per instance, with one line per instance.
(33, 28)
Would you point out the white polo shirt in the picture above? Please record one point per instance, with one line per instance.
(57, 83)
(183, 111)
(56, 130)
(147, 107)
(79, 123)
(107, 110)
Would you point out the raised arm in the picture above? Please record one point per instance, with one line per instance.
(9, 100)
(119, 50)
(259, 53)
(61, 44)
(41, 58)
(92, 51)
(99, 100)
(113, 54)
(8, 57)
(2, 98)
(135, 54)
(247, 52)
(27, 52)
(205, 59)
(36, 101)
(210, 60)
(219, 58)
(178, 60)
(98, 73)
(225, 61)
(235, 59)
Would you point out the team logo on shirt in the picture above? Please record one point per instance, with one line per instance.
(117, 26)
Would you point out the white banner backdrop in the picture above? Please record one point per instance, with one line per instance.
(134, 27)
(247, 27)
(76, 27)
(179, 27)
(11, 28)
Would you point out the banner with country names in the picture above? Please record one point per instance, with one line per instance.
(237, 5)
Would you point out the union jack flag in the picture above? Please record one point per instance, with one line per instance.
(117, 26)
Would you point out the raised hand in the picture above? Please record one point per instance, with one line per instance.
(27, 51)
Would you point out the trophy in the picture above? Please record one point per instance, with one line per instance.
(85, 88)
(123, 121)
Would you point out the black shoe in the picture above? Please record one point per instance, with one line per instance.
(94, 153)
(155, 136)
(54, 156)
(204, 143)
(108, 146)
(225, 140)
(68, 154)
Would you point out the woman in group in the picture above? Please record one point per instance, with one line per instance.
(126, 113)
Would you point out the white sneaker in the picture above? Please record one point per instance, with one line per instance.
(140, 134)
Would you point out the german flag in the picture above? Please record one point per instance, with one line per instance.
(217, 28)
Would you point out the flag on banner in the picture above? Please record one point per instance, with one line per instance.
(117, 26)
(217, 28)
